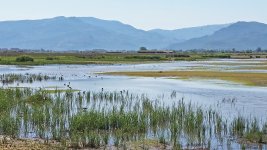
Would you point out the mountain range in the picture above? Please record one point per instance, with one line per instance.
(87, 33)
(240, 35)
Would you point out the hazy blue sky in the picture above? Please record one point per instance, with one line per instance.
(145, 14)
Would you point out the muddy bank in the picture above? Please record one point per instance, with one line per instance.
(8, 143)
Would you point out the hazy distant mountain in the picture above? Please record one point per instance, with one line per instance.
(63, 33)
(85, 33)
(240, 35)
(189, 33)
(79, 33)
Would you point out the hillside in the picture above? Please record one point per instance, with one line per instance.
(86, 33)
(240, 35)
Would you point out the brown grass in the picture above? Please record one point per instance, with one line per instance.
(255, 79)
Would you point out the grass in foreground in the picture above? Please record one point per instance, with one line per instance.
(253, 79)
(99, 120)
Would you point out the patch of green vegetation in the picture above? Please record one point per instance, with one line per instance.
(42, 59)
(14, 58)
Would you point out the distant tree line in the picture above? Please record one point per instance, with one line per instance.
(233, 50)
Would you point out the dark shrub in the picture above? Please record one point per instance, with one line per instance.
(24, 59)
(178, 55)
(144, 57)
(49, 58)
(216, 56)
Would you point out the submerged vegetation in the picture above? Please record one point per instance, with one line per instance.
(120, 119)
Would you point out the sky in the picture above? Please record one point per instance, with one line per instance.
(142, 14)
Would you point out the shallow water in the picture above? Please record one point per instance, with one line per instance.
(246, 100)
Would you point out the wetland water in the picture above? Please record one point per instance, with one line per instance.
(206, 92)
(232, 99)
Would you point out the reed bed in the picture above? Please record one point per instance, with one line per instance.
(26, 78)
(118, 119)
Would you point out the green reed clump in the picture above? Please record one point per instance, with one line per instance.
(256, 137)
(249, 130)
(9, 126)
(255, 133)
(94, 141)
(39, 97)
(239, 126)
(91, 121)
(5, 104)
